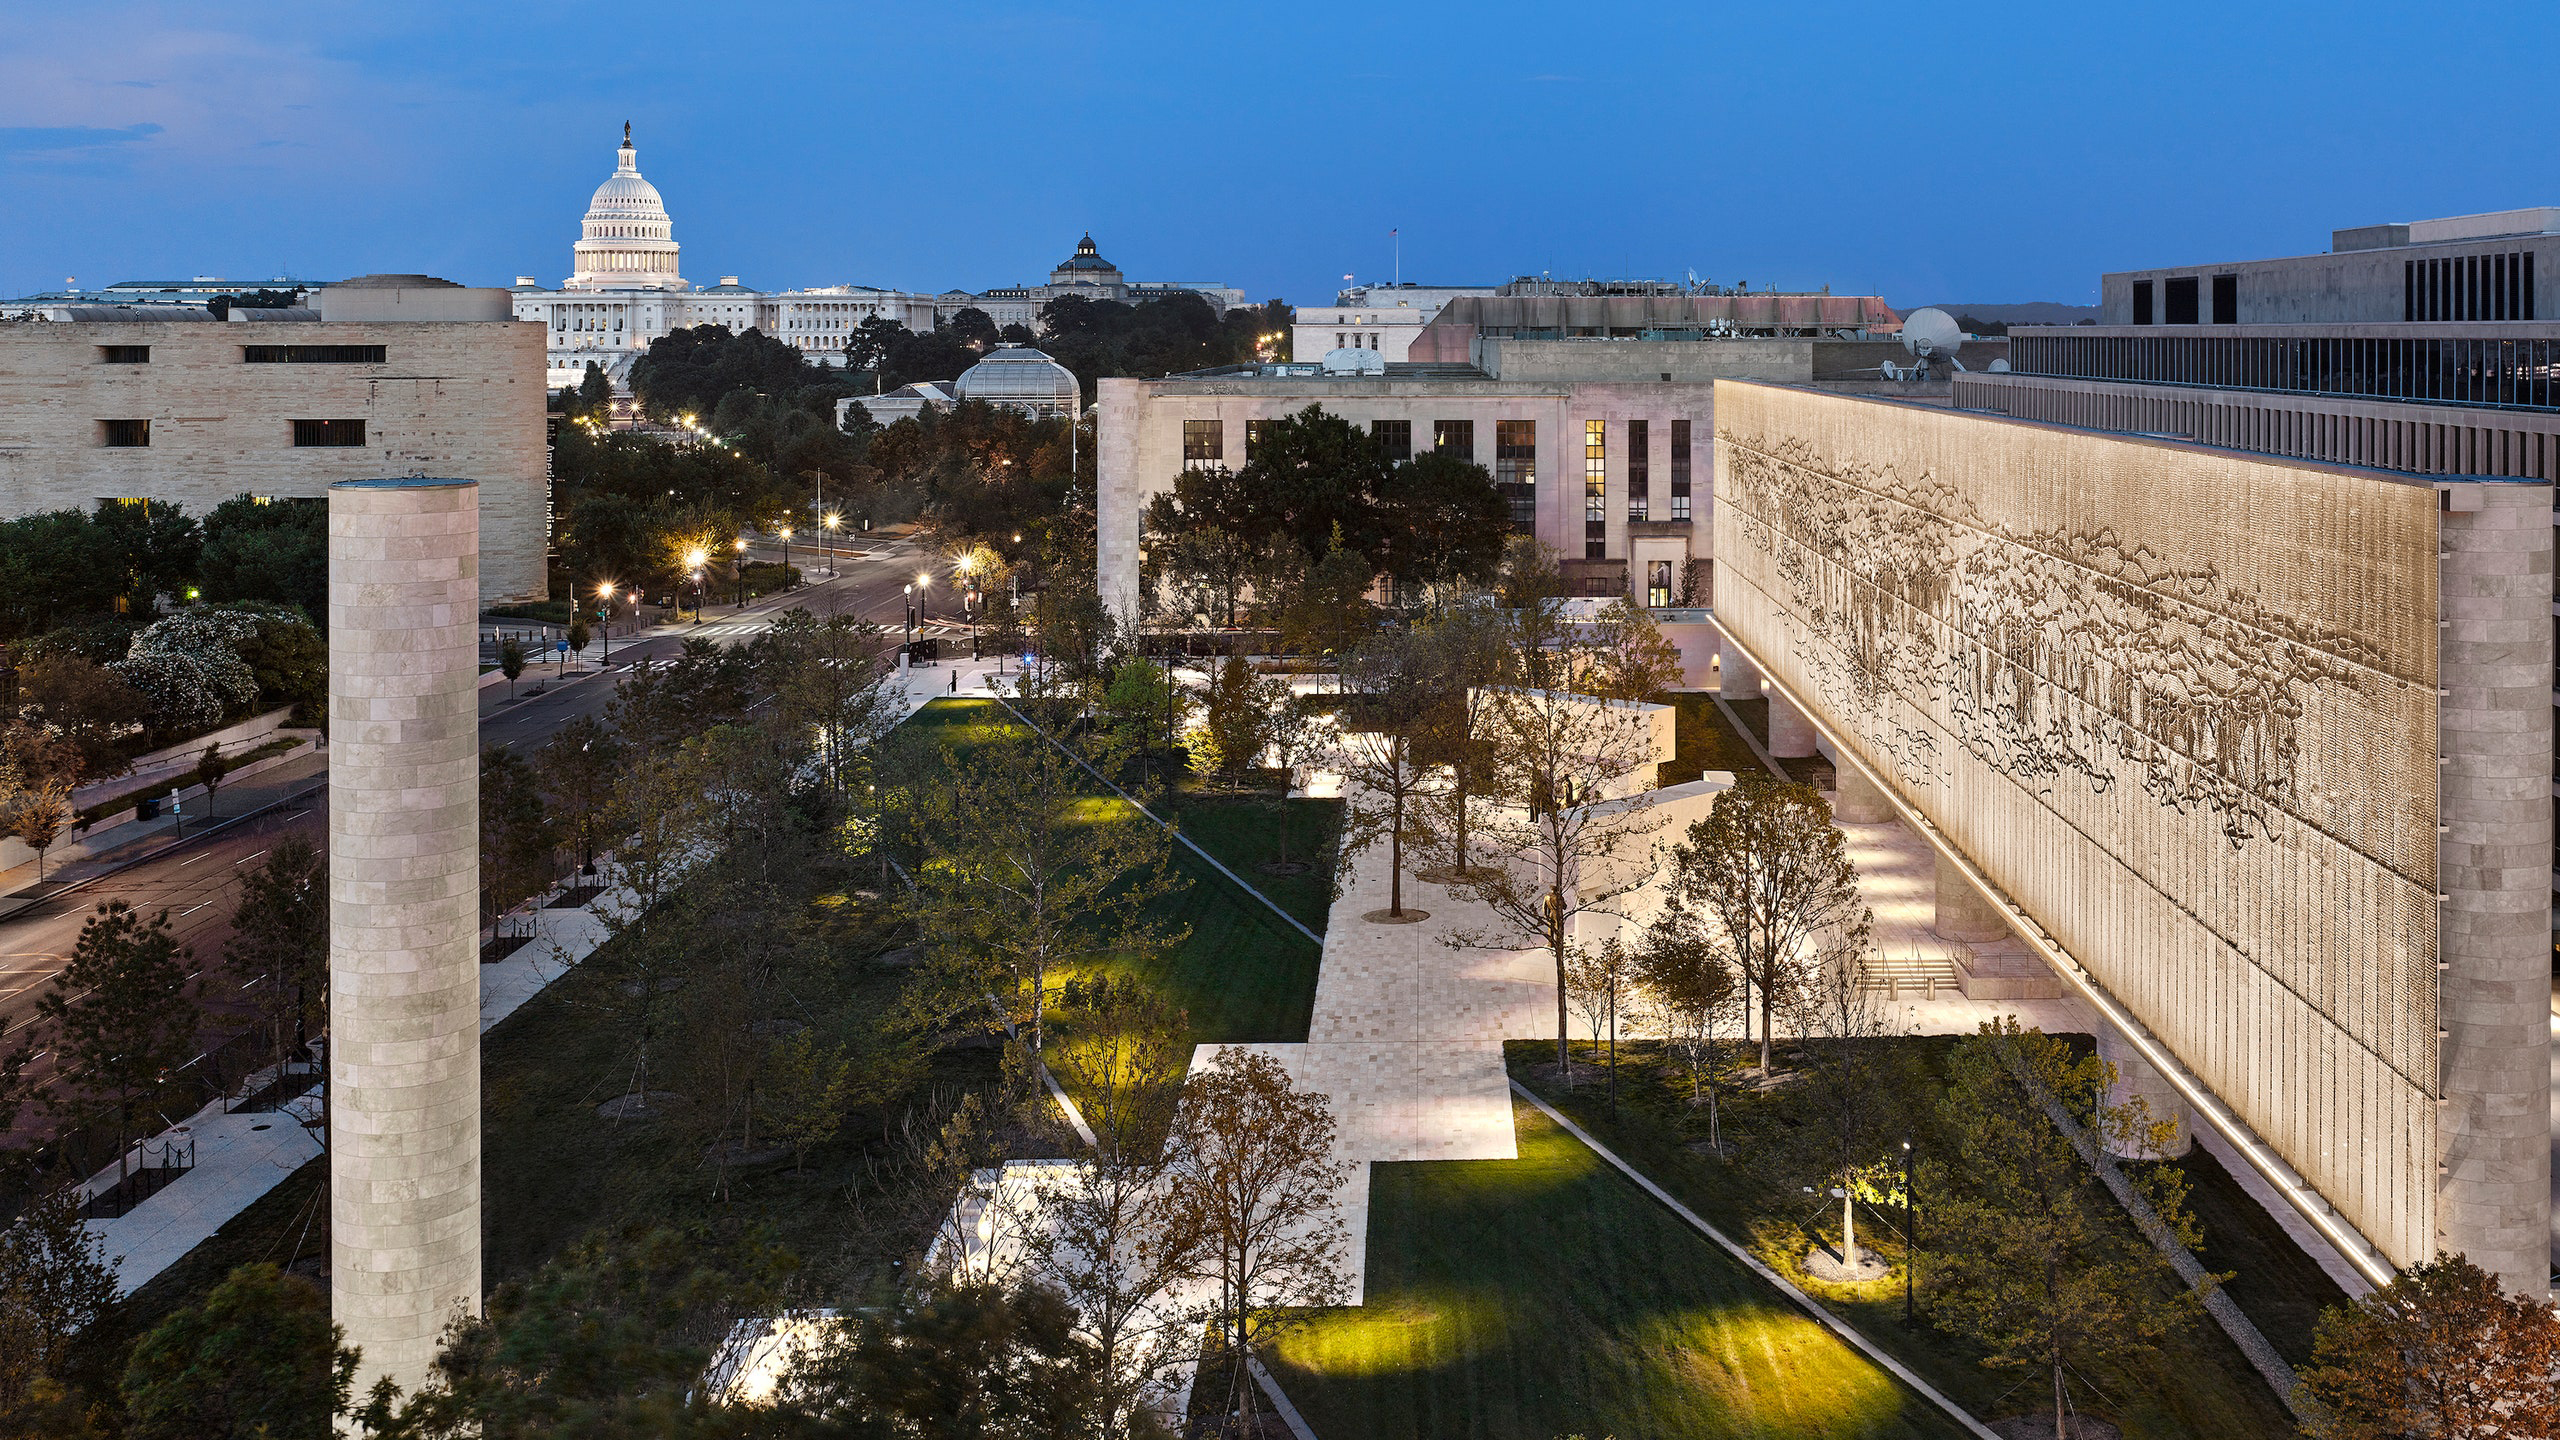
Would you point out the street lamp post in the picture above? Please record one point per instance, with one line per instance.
(831, 521)
(697, 560)
(786, 557)
(604, 620)
(742, 572)
(911, 624)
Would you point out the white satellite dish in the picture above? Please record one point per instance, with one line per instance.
(1932, 334)
(1998, 367)
(1351, 360)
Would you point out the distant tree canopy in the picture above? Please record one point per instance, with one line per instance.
(1157, 337)
(259, 299)
(691, 371)
(275, 550)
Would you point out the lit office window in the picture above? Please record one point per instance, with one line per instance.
(1657, 585)
(1458, 437)
(1204, 442)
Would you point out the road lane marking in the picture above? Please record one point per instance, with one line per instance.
(245, 859)
(190, 860)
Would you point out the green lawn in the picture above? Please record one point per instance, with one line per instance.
(2192, 1386)
(2278, 1287)
(1706, 741)
(1546, 1296)
(1243, 975)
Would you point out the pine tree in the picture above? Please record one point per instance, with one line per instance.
(120, 1019)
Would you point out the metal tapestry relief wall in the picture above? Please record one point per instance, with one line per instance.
(2176, 676)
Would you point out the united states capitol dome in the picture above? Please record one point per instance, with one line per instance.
(628, 239)
(1021, 378)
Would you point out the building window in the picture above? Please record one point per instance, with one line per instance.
(125, 354)
(328, 432)
(1595, 489)
(2468, 287)
(1679, 469)
(2141, 302)
(312, 354)
(1341, 341)
(125, 434)
(1657, 584)
(2226, 299)
(1253, 439)
(1204, 442)
(1395, 439)
(1639, 470)
(1458, 437)
(1515, 467)
(2178, 300)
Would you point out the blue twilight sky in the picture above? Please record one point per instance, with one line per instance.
(1979, 152)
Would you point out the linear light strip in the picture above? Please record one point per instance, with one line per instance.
(2297, 1192)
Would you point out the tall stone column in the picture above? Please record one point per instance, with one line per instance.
(1741, 677)
(1964, 913)
(404, 897)
(1858, 801)
(2136, 1078)
(1118, 500)
(2494, 723)
(1790, 733)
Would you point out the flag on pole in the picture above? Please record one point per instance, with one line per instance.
(1391, 234)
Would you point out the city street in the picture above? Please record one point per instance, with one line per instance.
(196, 879)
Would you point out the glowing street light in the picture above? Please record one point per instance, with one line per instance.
(786, 557)
(742, 572)
(604, 619)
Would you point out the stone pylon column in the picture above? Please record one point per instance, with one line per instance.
(1741, 677)
(2136, 1078)
(404, 898)
(1791, 735)
(1119, 501)
(1963, 912)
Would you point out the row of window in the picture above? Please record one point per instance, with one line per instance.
(325, 434)
(265, 354)
(2178, 301)
(1353, 340)
(2468, 287)
(2517, 374)
(1515, 463)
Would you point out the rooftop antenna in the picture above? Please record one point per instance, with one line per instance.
(1397, 235)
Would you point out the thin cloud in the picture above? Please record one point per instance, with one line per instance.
(41, 139)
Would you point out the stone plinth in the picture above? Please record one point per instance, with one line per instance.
(2136, 1078)
(404, 888)
(1790, 734)
(1963, 912)
(1858, 801)
(1741, 678)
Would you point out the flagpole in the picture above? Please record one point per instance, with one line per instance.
(1397, 235)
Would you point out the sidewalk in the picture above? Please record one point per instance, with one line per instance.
(78, 859)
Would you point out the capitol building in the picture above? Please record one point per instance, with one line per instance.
(626, 289)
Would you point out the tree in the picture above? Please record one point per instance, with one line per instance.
(1210, 533)
(270, 550)
(210, 768)
(511, 659)
(808, 1088)
(1600, 984)
(1383, 771)
(1771, 880)
(974, 328)
(1316, 474)
(1111, 1247)
(1441, 521)
(1146, 707)
(1254, 1178)
(56, 1280)
(1856, 1092)
(1329, 611)
(516, 832)
(156, 546)
(1238, 717)
(1628, 658)
(86, 704)
(578, 765)
(967, 1362)
(120, 1019)
(257, 1357)
(610, 1338)
(1021, 879)
(279, 945)
(1464, 665)
(578, 634)
(2038, 1266)
(829, 676)
(2438, 1353)
(1566, 848)
(41, 815)
(1693, 989)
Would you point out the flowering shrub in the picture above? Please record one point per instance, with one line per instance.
(188, 667)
